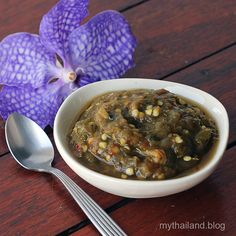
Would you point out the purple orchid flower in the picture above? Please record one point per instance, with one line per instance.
(35, 82)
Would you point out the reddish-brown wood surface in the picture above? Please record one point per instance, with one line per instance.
(37, 203)
(172, 35)
(25, 16)
(3, 145)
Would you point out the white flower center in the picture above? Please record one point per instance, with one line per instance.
(72, 76)
(68, 75)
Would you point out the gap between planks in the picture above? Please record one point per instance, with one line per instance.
(197, 61)
(132, 6)
(86, 222)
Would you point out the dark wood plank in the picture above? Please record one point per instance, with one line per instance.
(37, 203)
(3, 145)
(213, 200)
(27, 16)
(173, 34)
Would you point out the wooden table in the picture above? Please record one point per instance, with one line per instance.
(192, 42)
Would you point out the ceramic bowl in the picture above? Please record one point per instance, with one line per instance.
(72, 106)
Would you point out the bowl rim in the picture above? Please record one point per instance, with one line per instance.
(221, 146)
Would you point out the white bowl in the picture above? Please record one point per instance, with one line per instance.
(69, 110)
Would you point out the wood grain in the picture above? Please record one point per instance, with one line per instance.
(26, 16)
(3, 145)
(213, 200)
(37, 203)
(173, 34)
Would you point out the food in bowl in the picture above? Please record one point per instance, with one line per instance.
(142, 134)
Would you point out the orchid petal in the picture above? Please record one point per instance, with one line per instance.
(103, 48)
(40, 105)
(25, 60)
(84, 80)
(59, 22)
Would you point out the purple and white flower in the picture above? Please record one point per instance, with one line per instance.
(39, 71)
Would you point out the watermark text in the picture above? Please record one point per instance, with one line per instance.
(205, 225)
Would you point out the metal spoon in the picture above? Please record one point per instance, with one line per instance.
(32, 149)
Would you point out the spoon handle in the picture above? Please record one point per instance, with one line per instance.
(101, 220)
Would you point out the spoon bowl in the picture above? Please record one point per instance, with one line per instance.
(28, 143)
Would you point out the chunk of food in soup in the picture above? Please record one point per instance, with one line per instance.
(142, 134)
